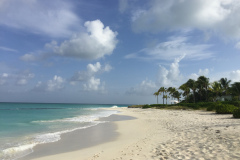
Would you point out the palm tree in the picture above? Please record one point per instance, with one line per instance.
(225, 84)
(163, 90)
(166, 96)
(185, 89)
(156, 94)
(216, 87)
(177, 95)
(236, 89)
(203, 84)
(171, 90)
(193, 86)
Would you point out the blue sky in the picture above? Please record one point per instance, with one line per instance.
(113, 51)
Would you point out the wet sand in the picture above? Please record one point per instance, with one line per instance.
(157, 134)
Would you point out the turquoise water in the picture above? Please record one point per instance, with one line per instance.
(24, 125)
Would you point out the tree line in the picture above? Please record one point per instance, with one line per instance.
(201, 90)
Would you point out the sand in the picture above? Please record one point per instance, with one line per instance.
(164, 134)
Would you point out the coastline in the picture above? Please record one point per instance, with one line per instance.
(160, 134)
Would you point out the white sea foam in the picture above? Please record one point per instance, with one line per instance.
(81, 119)
(26, 147)
(114, 106)
(17, 152)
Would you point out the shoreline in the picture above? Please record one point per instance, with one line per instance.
(80, 139)
(162, 134)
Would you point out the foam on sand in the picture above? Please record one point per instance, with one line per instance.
(166, 134)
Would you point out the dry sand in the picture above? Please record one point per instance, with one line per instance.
(166, 134)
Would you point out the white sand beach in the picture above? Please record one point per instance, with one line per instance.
(164, 134)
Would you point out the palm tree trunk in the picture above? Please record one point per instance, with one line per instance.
(194, 96)
(163, 97)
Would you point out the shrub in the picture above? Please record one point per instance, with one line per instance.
(225, 108)
(235, 103)
(193, 106)
(146, 106)
(236, 113)
(212, 106)
(190, 105)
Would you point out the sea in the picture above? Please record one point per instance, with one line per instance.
(25, 125)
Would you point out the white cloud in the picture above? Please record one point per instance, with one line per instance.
(29, 57)
(147, 87)
(201, 72)
(97, 42)
(174, 47)
(53, 18)
(107, 68)
(123, 5)
(170, 77)
(235, 76)
(7, 49)
(165, 78)
(90, 83)
(3, 78)
(93, 84)
(93, 68)
(194, 76)
(217, 16)
(57, 83)
(21, 78)
(237, 45)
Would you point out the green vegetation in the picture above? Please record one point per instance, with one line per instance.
(236, 113)
(225, 108)
(219, 96)
(146, 106)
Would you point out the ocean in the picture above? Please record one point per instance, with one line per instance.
(25, 125)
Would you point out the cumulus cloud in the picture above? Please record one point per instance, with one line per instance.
(201, 72)
(235, 76)
(174, 47)
(57, 83)
(53, 18)
(93, 84)
(146, 87)
(217, 16)
(90, 82)
(3, 78)
(97, 42)
(165, 77)
(21, 78)
(172, 76)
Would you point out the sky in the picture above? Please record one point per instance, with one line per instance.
(113, 51)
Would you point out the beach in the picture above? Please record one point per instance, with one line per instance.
(141, 134)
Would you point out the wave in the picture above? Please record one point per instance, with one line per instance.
(80, 119)
(114, 106)
(17, 152)
(23, 148)
(29, 108)
(26, 147)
